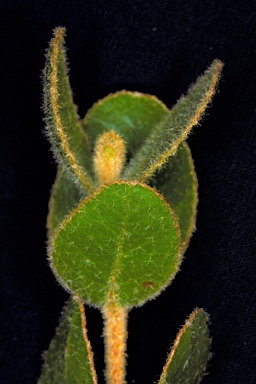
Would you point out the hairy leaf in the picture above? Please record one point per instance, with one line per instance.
(79, 367)
(53, 369)
(69, 357)
(65, 196)
(63, 129)
(124, 238)
(187, 361)
(131, 114)
(177, 182)
(175, 127)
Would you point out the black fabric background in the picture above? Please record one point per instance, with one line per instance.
(158, 47)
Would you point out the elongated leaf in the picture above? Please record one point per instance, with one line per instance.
(69, 357)
(187, 361)
(53, 369)
(170, 132)
(69, 143)
(124, 238)
(79, 366)
(178, 184)
(65, 196)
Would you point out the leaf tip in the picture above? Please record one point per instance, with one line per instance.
(59, 32)
(218, 64)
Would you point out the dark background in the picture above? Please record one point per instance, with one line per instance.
(158, 47)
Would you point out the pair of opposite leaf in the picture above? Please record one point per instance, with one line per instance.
(114, 240)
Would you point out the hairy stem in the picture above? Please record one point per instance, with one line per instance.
(115, 335)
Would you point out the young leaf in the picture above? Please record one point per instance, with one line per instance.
(175, 127)
(79, 366)
(53, 369)
(130, 114)
(124, 238)
(177, 182)
(64, 131)
(65, 196)
(187, 361)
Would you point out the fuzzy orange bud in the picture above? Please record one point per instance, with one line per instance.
(109, 156)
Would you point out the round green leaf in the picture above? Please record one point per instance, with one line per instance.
(123, 239)
(131, 114)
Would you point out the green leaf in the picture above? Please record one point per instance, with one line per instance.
(69, 143)
(133, 115)
(175, 127)
(130, 114)
(79, 367)
(124, 238)
(177, 182)
(53, 369)
(187, 361)
(69, 357)
(65, 196)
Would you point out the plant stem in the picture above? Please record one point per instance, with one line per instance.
(115, 335)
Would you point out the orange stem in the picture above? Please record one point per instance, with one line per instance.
(115, 335)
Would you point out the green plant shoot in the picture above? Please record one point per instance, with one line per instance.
(121, 213)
